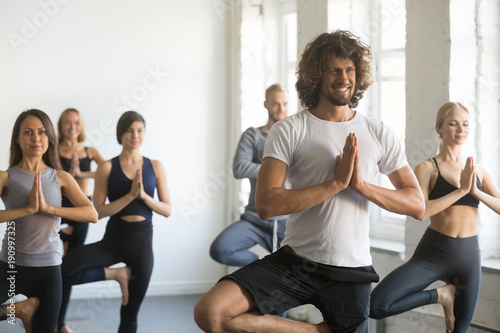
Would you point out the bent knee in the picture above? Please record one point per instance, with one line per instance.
(378, 311)
(207, 317)
(216, 253)
(377, 315)
(201, 316)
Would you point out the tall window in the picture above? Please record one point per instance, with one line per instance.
(268, 56)
(474, 81)
(289, 53)
(389, 102)
(381, 24)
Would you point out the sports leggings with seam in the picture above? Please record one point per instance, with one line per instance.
(42, 282)
(437, 257)
(130, 243)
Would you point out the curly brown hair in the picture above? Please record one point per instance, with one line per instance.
(318, 56)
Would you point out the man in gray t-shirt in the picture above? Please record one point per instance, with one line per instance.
(232, 245)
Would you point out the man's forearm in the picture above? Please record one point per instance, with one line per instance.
(405, 201)
(279, 201)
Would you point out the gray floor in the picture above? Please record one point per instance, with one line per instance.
(158, 314)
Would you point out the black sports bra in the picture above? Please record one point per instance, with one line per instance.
(443, 187)
(84, 162)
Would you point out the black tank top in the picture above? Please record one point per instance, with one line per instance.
(119, 185)
(84, 162)
(443, 187)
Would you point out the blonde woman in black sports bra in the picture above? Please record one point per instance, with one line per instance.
(453, 186)
(75, 159)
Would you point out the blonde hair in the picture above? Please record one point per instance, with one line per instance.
(81, 136)
(274, 87)
(443, 112)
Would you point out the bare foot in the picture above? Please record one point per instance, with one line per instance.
(446, 297)
(122, 276)
(25, 311)
(66, 329)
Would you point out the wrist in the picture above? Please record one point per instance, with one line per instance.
(463, 191)
(30, 210)
(336, 186)
(359, 187)
(48, 209)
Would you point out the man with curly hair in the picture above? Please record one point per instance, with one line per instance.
(330, 154)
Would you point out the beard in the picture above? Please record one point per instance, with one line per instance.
(338, 100)
(277, 116)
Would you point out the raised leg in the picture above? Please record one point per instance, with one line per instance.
(228, 307)
(446, 297)
(122, 276)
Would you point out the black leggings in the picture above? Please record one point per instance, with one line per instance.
(80, 229)
(42, 282)
(437, 257)
(130, 243)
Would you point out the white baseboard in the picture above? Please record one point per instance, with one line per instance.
(110, 289)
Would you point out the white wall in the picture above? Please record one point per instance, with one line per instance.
(165, 59)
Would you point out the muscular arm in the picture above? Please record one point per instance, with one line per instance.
(161, 206)
(406, 198)
(272, 199)
(243, 165)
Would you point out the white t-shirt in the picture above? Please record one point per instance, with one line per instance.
(335, 231)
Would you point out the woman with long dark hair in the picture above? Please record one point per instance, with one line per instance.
(31, 189)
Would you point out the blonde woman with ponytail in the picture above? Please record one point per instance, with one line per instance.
(453, 186)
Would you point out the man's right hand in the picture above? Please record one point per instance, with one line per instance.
(345, 162)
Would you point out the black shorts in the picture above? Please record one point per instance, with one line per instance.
(283, 280)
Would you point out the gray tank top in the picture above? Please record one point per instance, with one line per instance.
(36, 237)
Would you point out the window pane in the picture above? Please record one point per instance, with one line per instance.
(392, 104)
(393, 24)
(291, 38)
(293, 100)
(392, 65)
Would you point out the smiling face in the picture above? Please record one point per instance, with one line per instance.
(455, 127)
(277, 105)
(32, 139)
(70, 126)
(338, 82)
(134, 135)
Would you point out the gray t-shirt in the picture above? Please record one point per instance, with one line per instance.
(33, 239)
(248, 159)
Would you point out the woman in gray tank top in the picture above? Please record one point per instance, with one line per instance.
(31, 189)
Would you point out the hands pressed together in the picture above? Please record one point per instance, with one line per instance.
(137, 189)
(468, 177)
(347, 172)
(37, 201)
(75, 166)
